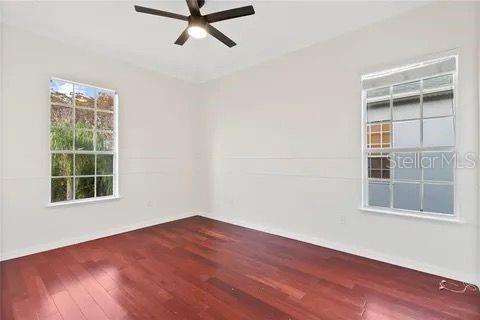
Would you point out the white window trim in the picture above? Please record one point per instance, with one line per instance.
(364, 207)
(83, 201)
(411, 214)
(116, 179)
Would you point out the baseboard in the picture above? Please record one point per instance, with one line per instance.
(92, 236)
(395, 260)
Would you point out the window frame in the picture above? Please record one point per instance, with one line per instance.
(365, 151)
(114, 152)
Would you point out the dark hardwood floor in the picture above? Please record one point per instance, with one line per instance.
(198, 268)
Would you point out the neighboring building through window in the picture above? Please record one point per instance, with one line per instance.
(83, 144)
(409, 142)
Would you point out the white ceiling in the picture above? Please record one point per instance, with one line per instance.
(115, 29)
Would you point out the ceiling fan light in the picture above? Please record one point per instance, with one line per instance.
(197, 32)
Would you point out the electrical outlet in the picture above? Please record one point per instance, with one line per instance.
(343, 220)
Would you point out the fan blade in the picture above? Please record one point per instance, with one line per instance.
(230, 14)
(219, 35)
(183, 38)
(160, 13)
(193, 7)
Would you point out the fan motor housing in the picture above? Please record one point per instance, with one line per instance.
(197, 21)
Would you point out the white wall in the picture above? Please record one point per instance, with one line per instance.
(1, 127)
(478, 133)
(286, 143)
(159, 175)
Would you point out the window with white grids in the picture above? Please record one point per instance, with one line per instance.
(409, 141)
(83, 142)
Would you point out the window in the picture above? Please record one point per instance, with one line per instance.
(83, 143)
(409, 141)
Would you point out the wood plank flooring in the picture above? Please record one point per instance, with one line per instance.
(197, 268)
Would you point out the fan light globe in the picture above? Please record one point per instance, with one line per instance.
(197, 32)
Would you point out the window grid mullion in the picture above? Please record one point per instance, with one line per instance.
(391, 145)
(421, 145)
(82, 152)
(404, 150)
(95, 145)
(429, 118)
(84, 176)
(74, 146)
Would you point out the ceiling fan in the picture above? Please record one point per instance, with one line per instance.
(198, 24)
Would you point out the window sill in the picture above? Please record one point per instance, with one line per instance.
(82, 201)
(412, 214)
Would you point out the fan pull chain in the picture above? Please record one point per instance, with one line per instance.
(445, 285)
